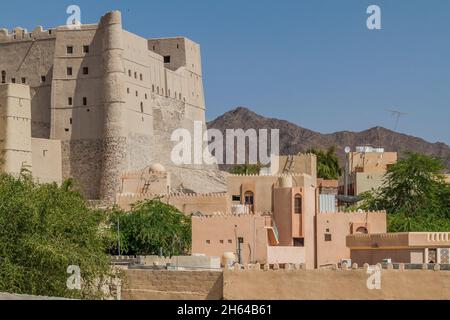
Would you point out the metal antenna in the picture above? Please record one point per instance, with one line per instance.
(397, 115)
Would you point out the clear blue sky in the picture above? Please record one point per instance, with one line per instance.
(310, 62)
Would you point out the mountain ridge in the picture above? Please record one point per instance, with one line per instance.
(295, 139)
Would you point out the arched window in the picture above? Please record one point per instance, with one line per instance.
(362, 230)
(298, 204)
(3, 76)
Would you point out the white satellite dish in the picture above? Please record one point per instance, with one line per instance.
(347, 149)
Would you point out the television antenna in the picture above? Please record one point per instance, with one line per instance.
(397, 114)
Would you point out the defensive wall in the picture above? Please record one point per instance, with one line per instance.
(296, 283)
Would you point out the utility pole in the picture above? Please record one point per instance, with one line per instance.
(118, 234)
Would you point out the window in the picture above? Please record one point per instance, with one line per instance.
(221, 241)
(69, 50)
(208, 241)
(146, 97)
(137, 94)
(66, 129)
(230, 241)
(84, 101)
(13, 80)
(69, 71)
(135, 75)
(71, 122)
(85, 49)
(249, 198)
(85, 70)
(166, 59)
(153, 88)
(129, 73)
(141, 77)
(299, 242)
(236, 198)
(327, 237)
(3, 76)
(24, 80)
(180, 96)
(142, 107)
(298, 204)
(128, 90)
(69, 101)
(43, 79)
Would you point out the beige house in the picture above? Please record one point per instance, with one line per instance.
(409, 247)
(366, 169)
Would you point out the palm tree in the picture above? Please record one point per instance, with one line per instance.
(327, 163)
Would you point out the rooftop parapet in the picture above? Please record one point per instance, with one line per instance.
(21, 34)
(403, 240)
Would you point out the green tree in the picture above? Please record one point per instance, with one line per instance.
(43, 230)
(327, 163)
(150, 228)
(415, 195)
(246, 169)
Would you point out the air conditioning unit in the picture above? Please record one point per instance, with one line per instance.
(348, 262)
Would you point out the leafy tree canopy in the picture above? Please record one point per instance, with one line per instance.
(44, 229)
(246, 169)
(150, 228)
(414, 194)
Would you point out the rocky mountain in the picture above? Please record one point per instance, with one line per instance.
(295, 139)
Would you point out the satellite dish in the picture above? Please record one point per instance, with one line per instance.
(347, 149)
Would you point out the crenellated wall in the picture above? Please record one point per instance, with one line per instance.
(186, 203)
